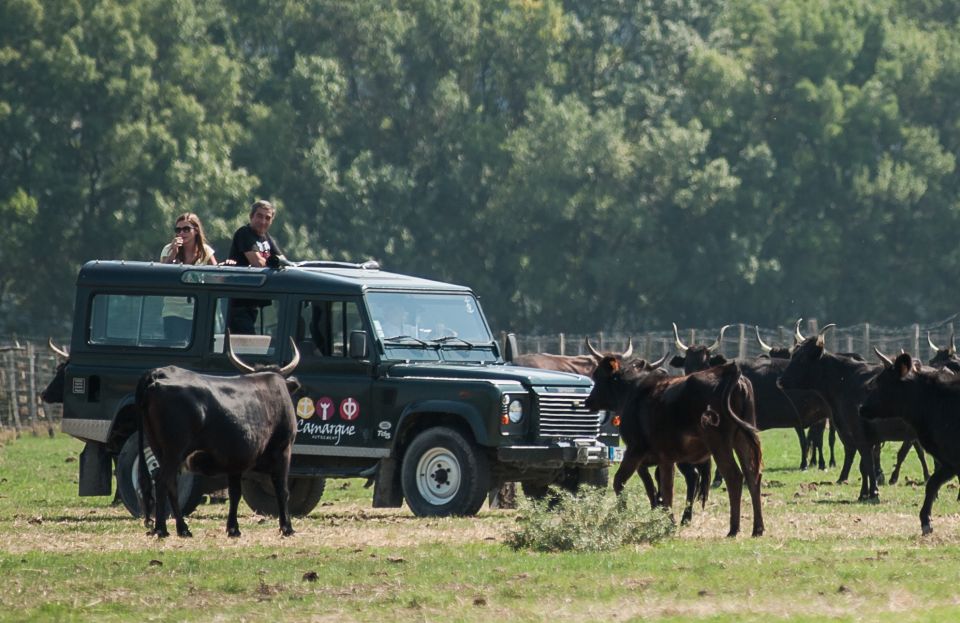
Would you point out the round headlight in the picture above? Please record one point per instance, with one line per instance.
(515, 411)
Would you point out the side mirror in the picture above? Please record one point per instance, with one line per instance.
(510, 347)
(358, 345)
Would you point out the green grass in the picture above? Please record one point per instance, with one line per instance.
(63, 557)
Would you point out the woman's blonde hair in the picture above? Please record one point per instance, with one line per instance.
(202, 257)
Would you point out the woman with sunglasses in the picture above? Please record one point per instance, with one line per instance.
(189, 245)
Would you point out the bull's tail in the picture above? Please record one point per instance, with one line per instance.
(734, 381)
(143, 472)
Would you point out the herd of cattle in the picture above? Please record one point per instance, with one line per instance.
(712, 412)
(716, 408)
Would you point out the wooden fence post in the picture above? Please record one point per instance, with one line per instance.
(563, 345)
(32, 387)
(14, 403)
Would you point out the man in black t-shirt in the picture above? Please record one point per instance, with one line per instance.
(252, 246)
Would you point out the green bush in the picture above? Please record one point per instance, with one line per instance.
(591, 520)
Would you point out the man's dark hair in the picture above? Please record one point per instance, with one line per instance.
(260, 203)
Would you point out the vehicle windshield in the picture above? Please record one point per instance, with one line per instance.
(419, 326)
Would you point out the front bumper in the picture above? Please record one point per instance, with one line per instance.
(568, 453)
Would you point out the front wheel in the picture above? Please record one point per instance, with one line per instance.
(305, 494)
(444, 474)
(189, 492)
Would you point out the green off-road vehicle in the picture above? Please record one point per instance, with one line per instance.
(403, 383)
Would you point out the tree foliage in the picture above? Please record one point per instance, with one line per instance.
(584, 165)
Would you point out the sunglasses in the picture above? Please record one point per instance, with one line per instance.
(183, 230)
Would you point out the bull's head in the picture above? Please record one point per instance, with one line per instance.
(697, 357)
(292, 384)
(803, 362)
(945, 357)
(53, 393)
(774, 352)
(599, 356)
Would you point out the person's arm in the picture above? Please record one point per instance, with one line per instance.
(255, 259)
(168, 254)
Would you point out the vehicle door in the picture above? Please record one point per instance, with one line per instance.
(335, 414)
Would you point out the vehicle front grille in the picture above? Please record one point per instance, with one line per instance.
(564, 415)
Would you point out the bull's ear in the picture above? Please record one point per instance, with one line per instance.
(903, 364)
(717, 360)
(677, 361)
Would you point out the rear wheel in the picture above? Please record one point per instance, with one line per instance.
(305, 494)
(444, 474)
(189, 492)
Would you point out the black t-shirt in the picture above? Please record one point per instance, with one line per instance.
(245, 239)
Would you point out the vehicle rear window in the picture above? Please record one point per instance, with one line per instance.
(142, 321)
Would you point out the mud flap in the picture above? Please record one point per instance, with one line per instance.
(96, 474)
(387, 492)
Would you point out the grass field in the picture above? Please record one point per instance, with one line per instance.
(824, 557)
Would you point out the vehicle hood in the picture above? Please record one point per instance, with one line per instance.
(489, 372)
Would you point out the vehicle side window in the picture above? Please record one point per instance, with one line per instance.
(253, 323)
(141, 321)
(323, 327)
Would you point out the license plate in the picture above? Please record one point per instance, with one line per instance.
(615, 454)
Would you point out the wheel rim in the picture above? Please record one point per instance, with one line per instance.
(438, 476)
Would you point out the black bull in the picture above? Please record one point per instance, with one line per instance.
(667, 420)
(930, 402)
(775, 408)
(217, 425)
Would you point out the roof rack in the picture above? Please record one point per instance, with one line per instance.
(368, 265)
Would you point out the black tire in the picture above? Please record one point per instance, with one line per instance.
(305, 494)
(189, 491)
(444, 474)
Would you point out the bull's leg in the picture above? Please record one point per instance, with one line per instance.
(649, 486)
(849, 452)
(629, 464)
(923, 460)
(941, 474)
(832, 440)
(692, 478)
(727, 465)
(160, 503)
(868, 476)
(878, 468)
(804, 446)
(751, 463)
(901, 456)
(169, 476)
(703, 489)
(815, 441)
(666, 485)
(233, 492)
(283, 498)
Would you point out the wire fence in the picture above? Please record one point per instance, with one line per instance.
(27, 366)
(25, 370)
(740, 340)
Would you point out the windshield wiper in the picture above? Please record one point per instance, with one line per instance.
(403, 339)
(450, 338)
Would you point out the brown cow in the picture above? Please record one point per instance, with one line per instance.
(666, 420)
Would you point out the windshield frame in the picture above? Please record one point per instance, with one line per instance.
(412, 342)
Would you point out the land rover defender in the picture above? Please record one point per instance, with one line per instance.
(403, 383)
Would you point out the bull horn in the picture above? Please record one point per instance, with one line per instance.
(719, 341)
(797, 336)
(930, 342)
(676, 336)
(626, 354)
(287, 369)
(763, 345)
(232, 356)
(829, 326)
(57, 351)
(886, 360)
(659, 362)
(953, 346)
(593, 351)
